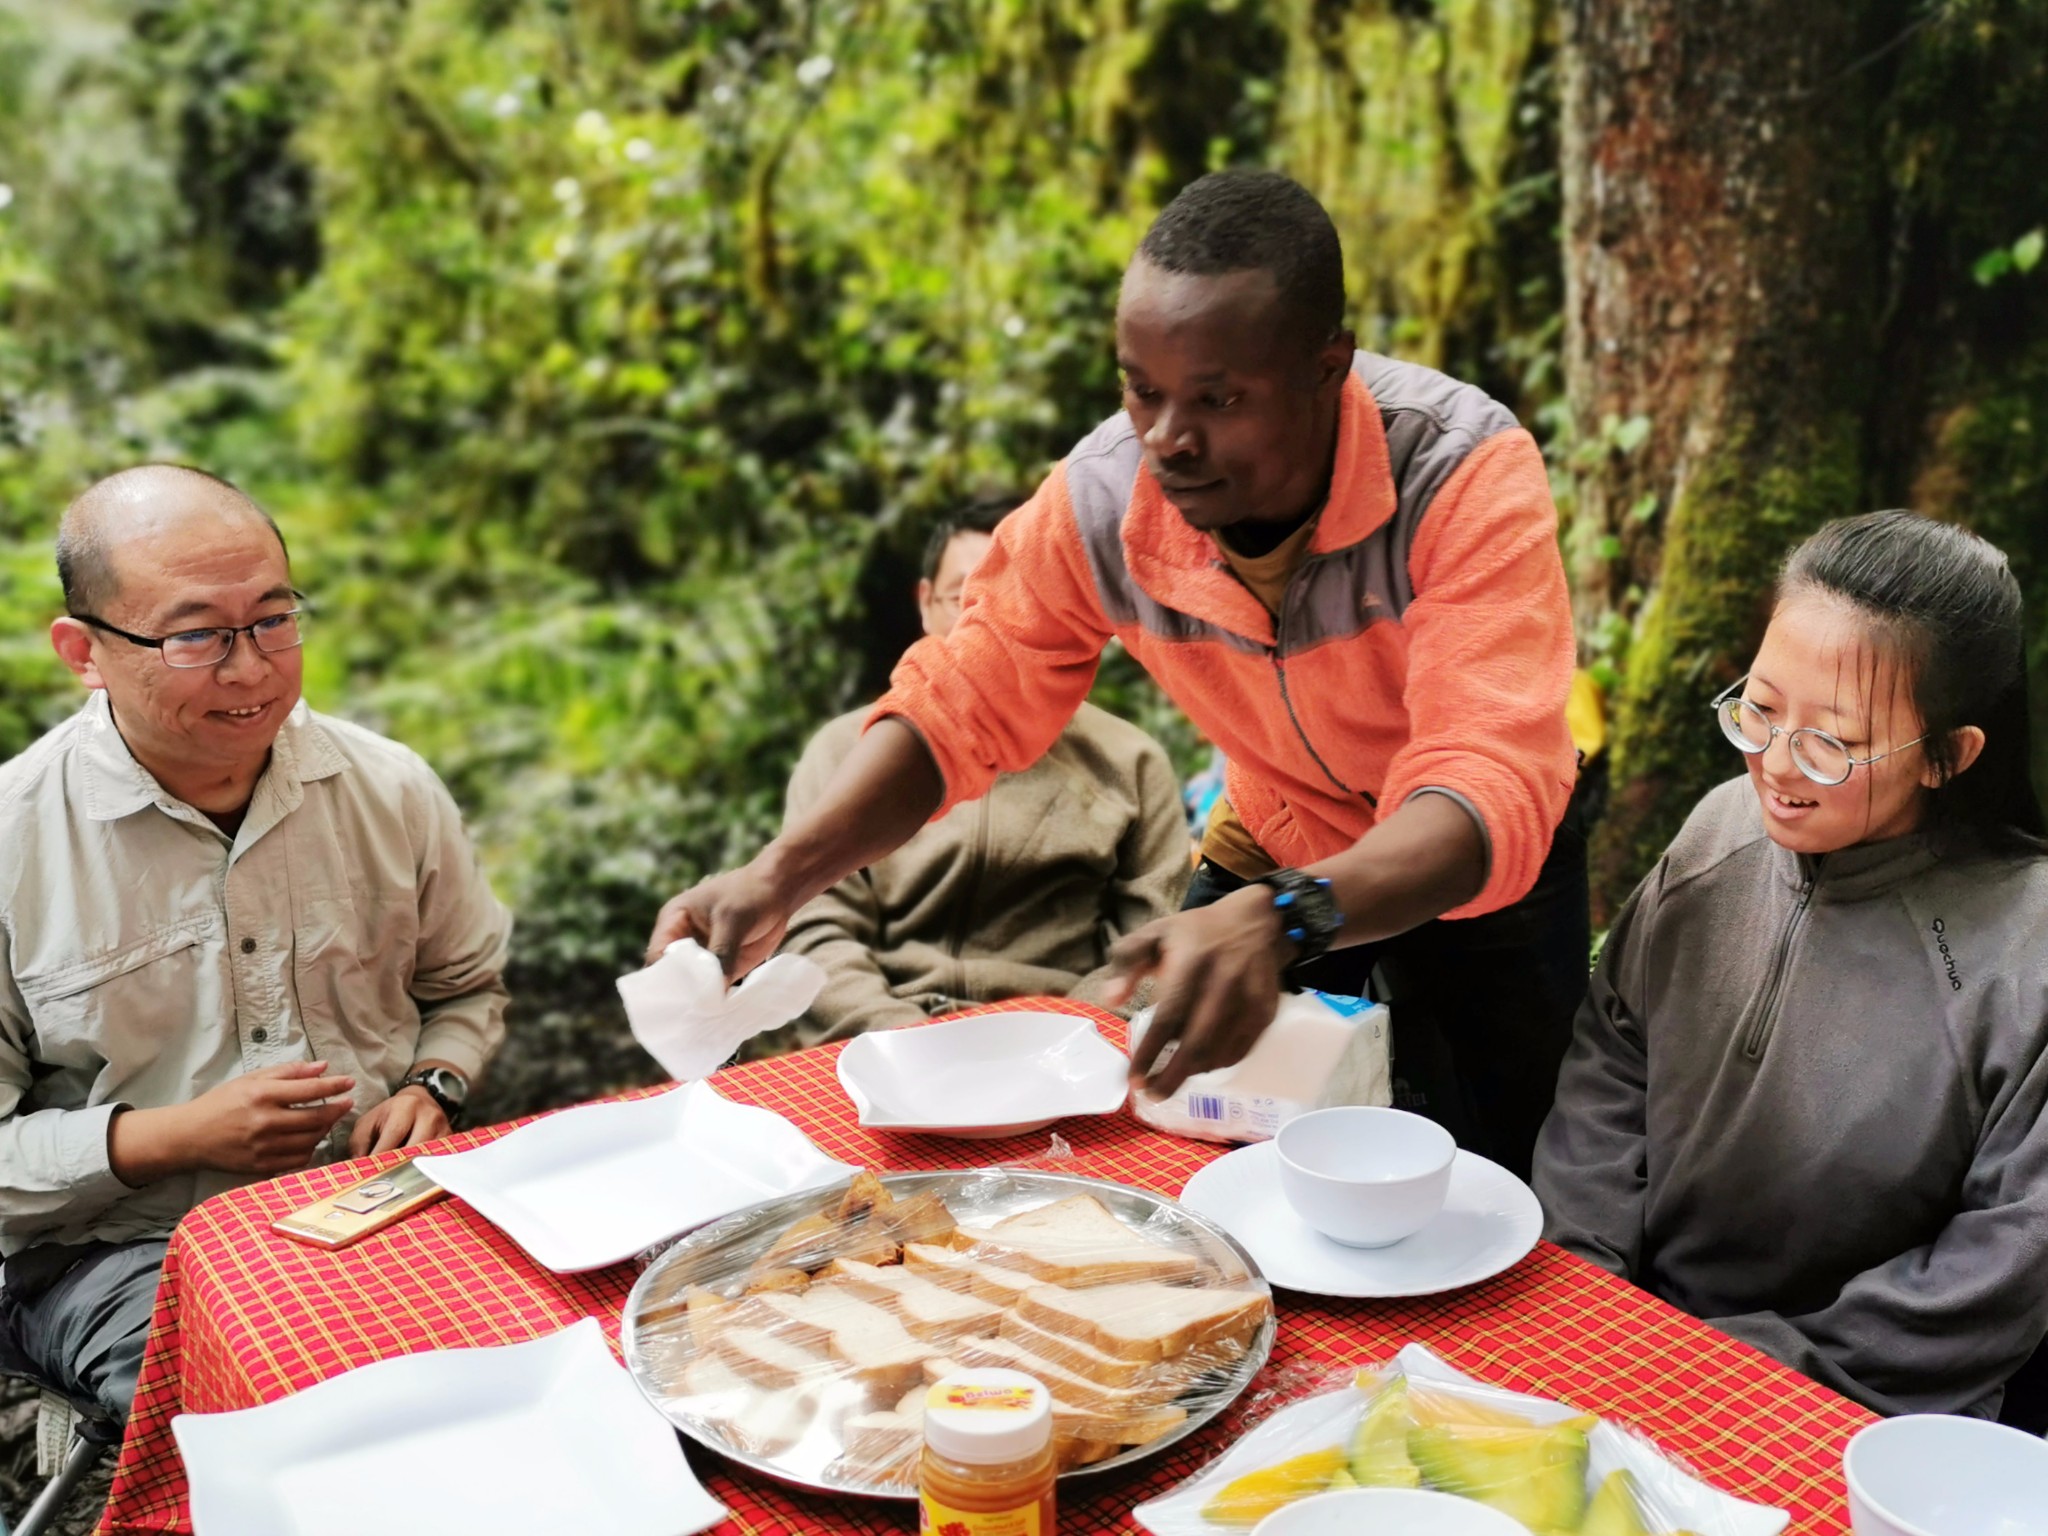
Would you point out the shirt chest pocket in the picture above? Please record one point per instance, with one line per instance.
(353, 962)
(126, 1009)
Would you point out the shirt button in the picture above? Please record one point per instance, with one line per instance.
(248, 946)
(259, 1034)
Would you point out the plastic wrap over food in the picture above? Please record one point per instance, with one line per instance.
(800, 1338)
(1418, 1423)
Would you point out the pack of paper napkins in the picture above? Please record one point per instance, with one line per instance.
(1320, 1050)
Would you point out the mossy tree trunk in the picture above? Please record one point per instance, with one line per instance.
(1756, 293)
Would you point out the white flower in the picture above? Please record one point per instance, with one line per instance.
(592, 128)
(638, 149)
(1014, 327)
(722, 94)
(814, 71)
(6, 194)
(567, 191)
(507, 105)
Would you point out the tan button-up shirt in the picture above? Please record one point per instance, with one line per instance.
(146, 957)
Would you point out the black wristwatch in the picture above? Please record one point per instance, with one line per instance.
(1308, 912)
(445, 1086)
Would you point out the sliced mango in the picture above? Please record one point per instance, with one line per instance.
(1616, 1510)
(1536, 1473)
(1428, 1404)
(1249, 1499)
(1379, 1450)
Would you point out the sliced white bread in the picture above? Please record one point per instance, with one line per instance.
(927, 1309)
(939, 1316)
(707, 1311)
(883, 1446)
(1079, 1242)
(1139, 1426)
(959, 1270)
(871, 1343)
(759, 1423)
(768, 1360)
(881, 1439)
(811, 1318)
(1064, 1385)
(715, 1390)
(886, 1363)
(1074, 1452)
(1075, 1355)
(920, 1219)
(1145, 1321)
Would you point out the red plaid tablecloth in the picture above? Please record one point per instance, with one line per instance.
(245, 1317)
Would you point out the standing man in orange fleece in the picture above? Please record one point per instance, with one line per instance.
(1345, 570)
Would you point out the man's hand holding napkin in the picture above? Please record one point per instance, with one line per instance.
(688, 1019)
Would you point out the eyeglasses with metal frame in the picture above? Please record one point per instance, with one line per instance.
(1823, 758)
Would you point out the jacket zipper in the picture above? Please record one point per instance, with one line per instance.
(963, 911)
(1758, 1034)
(1286, 698)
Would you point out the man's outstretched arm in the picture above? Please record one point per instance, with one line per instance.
(1217, 968)
(887, 789)
(988, 699)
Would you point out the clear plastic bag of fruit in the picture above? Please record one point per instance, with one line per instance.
(1416, 1422)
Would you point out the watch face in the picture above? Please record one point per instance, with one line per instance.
(443, 1084)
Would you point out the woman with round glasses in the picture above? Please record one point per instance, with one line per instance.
(1807, 1096)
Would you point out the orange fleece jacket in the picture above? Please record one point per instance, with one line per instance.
(1426, 641)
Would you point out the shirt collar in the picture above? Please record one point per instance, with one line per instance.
(116, 785)
(1183, 566)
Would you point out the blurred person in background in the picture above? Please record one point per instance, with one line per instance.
(236, 937)
(1018, 893)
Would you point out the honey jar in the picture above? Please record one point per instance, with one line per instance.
(988, 1466)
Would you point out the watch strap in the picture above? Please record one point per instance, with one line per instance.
(431, 1079)
(1308, 911)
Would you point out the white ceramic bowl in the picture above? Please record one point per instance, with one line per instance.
(1387, 1512)
(1931, 1474)
(1363, 1176)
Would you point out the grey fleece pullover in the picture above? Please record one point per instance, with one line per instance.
(1804, 1102)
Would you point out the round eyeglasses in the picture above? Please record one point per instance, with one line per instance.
(1822, 758)
(211, 647)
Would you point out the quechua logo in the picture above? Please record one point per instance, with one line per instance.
(1948, 959)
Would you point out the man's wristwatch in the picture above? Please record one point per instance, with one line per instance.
(1308, 912)
(445, 1086)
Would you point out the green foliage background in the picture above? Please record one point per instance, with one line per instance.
(604, 360)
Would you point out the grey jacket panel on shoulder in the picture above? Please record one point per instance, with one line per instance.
(1431, 423)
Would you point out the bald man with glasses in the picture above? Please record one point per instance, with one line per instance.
(236, 937)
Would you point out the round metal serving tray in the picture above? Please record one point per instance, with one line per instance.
(716, 1254)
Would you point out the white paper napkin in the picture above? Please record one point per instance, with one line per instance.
(690, 1021)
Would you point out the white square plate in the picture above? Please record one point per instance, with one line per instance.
(520, 1440)
(595, 1185)
(997, 1074)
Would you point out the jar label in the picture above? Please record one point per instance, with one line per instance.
(935, 1519)
(1000, 1399)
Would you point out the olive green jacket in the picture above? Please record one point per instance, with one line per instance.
(1018, 893)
